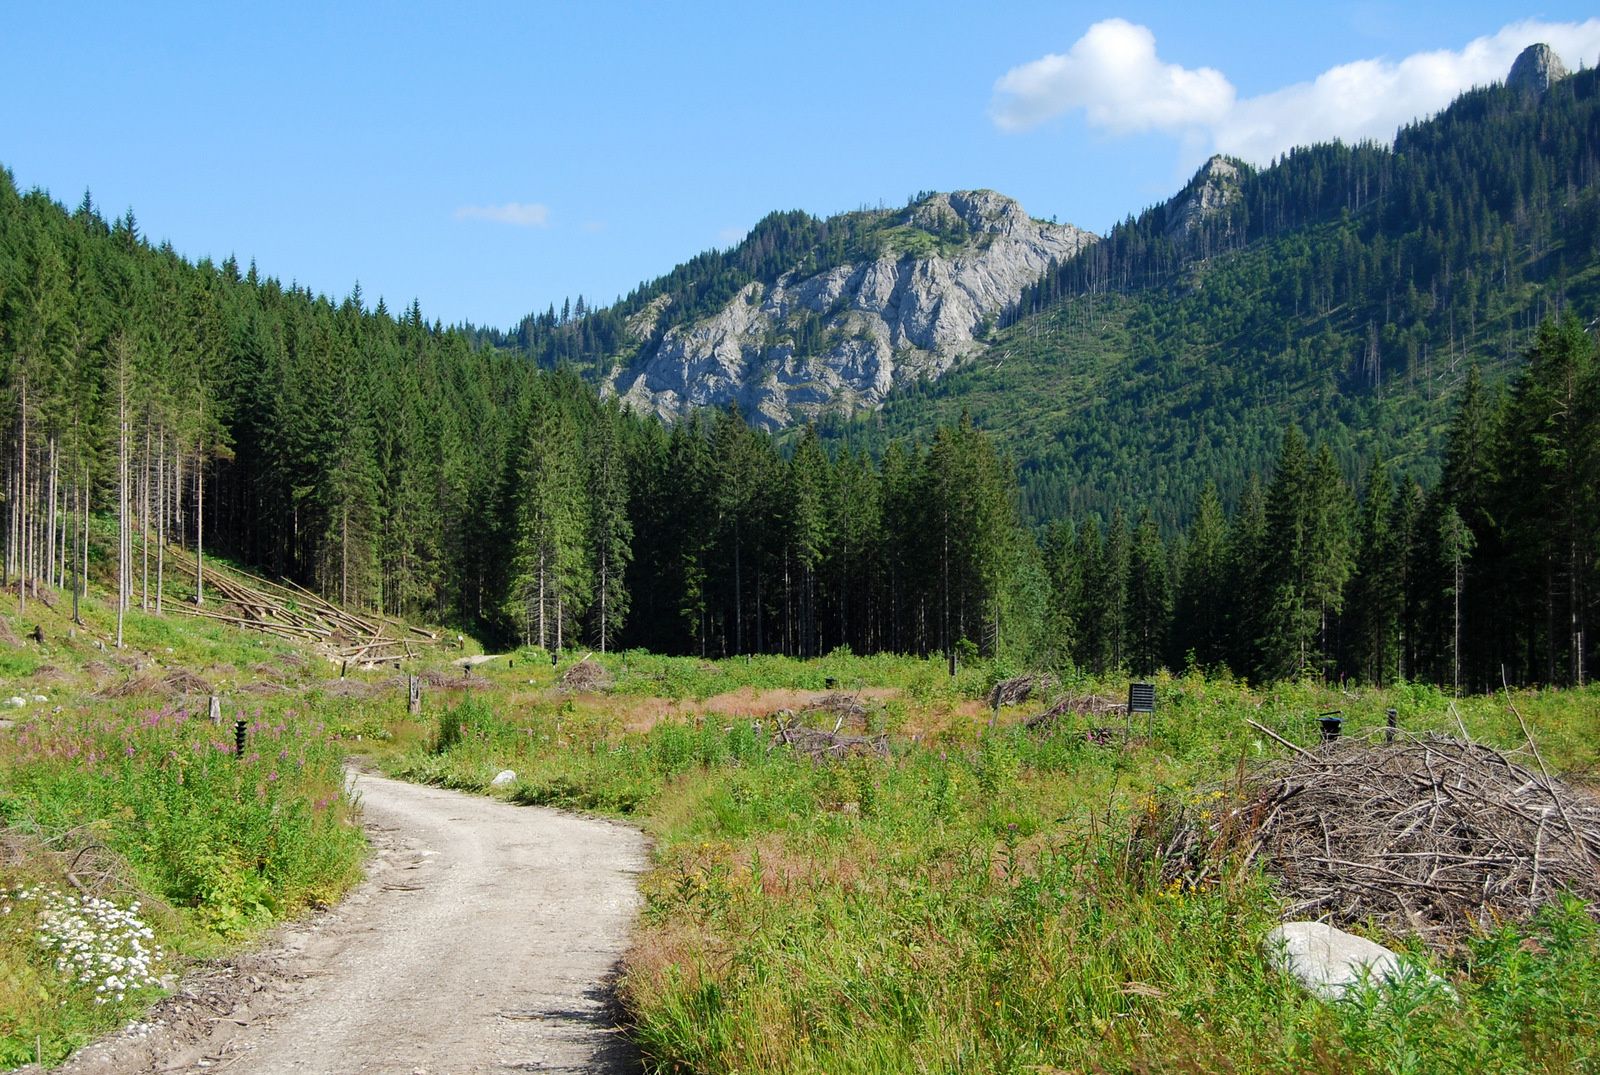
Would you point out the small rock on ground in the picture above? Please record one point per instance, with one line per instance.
(1328, 961)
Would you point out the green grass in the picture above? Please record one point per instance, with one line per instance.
(642, 674)
(216, 847)
(974, 903)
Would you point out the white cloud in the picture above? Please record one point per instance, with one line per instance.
(1113, 74)
(533, 215)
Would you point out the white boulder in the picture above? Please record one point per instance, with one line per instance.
(504, 779)
(15, 702)
(1329, 961)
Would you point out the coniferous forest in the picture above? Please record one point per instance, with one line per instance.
(468, 477)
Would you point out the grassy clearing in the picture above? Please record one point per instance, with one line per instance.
(974, 902)
(971, 903)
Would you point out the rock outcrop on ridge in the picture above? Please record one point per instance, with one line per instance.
(841, 338)
(1536, 68)
(1214, 187)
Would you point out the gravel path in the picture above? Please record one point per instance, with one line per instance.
(483, 940)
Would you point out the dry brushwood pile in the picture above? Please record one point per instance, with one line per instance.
(846, 707)
(1019, 690)
(1427, 834)
(586, 676)
(184, 681)
(1093, 706)
(293, 612)
(133, 686)
(820, 744)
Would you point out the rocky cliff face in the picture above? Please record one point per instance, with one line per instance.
(843, 337)
(1213, 189)
(1536, 67)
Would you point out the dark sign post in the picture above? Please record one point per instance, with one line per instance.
(1142, 699)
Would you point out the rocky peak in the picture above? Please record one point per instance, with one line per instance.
(979, 210)
(1214, 187)
(1536, 69)
(918, 300)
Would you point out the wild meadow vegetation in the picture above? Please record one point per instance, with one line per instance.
(132, 837)
(974, 899)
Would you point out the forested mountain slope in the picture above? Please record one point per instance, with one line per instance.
(1345, 288)
(1351, 291)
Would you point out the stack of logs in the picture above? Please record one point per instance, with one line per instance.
(293, 612)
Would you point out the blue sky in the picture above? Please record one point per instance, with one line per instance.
(490, 159)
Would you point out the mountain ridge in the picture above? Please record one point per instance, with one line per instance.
(1348, 289)
(933, 282)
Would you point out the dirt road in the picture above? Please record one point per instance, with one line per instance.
(482, 941)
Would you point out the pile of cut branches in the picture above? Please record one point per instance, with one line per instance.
(821, 745)
(586, 676)
(290, 611)
(1096, 707)
(846, 707)
(184, 681)
(1019, 690)
(134, 686)
(1428, 834)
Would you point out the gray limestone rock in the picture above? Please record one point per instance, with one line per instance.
(1328, 962)
(905, 315)
(1536, 69)
(1214, 188)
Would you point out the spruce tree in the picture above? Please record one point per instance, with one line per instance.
(1200, 614)
(610, 530)
(1149, 598)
